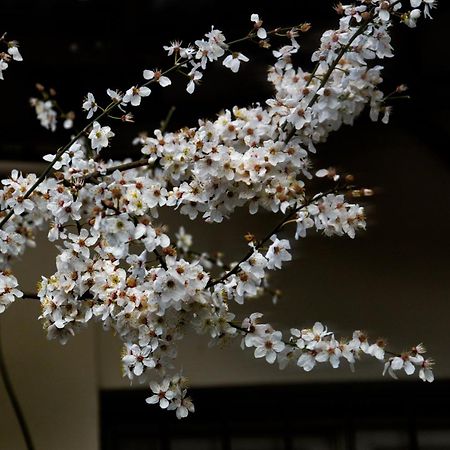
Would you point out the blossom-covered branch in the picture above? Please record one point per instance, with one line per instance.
(311, 346)
(118, 265)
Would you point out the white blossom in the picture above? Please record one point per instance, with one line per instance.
(162, 394)
(3, 67)
(135, 94)
(90, 105)
(195, 77)
(100, 136)
(278, 252)
(260, 31)
(233, 61)
(157, 76)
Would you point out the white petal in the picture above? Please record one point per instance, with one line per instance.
(261, 33)
(138, 369)
(397, 363)
(135, 100)
(321, 173)
(322, 357)
(164, 81)
(271, 357)
(190, 87)
(260, 352)
(144, 91)
(152, 400)
(409, 368)
(384, 15)
(148, 74)
(318, 328)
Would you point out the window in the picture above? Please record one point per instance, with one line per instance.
(363, 416)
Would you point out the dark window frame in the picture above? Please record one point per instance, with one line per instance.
(338, 410)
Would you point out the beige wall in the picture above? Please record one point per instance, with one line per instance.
(391, 281)
(56, 385)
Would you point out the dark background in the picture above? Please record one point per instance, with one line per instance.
(89, 45)
(351, 416)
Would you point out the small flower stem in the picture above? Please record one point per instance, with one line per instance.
(14, 401)
(165, 123)
(313, 74)
(121, 167)
(160, 259)
(243, 39)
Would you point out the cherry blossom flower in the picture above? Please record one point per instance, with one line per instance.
(184, 240)
(45, 112)
(385, 8)
(176, 49)
(135, 94)
(115, 96)
(90, 105)
(195, 77)
(260, 32)
(428, 5)
(158, 77)
(411, 18)
(3, 67)
(13, 50)
(137, 359)
(8, 291)
(268, 346)
(425, 371)
(233, 61)
(162, 394)
(278, 252)
(182, 405)
(100, 136)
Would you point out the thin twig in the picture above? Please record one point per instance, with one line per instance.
(165, 123)
(121, 167)
(292, 344)
(160, 259)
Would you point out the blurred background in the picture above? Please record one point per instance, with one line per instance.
(392, 281)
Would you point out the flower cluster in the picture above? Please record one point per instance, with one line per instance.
(332, 215)
(171, 395)
(8, 291)
(48, 111)
(119, 266)
(45, 113)
(9, 51)
(409, 361)
(311, 346)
